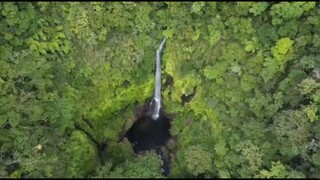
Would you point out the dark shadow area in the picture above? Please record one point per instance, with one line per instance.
(185, 99)
(148, 134)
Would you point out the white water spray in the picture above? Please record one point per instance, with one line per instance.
(155, 104)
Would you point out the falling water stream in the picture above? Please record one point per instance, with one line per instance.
(151, 131)
(155, 104)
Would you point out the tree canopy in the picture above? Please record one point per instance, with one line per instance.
(72, 73)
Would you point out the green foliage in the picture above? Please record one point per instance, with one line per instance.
(147, 166)
(278, 170)
(281, 49)
(103, 171)
(286, 11)
(308, 86)
(251, 158)
(311, 112)
(292, 130)
(71, 73)
(216, 72)
(197, 7)
(82, 155)
(118, 153)
(258, 8)
(198, 160)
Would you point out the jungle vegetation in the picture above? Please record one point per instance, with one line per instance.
(72, 75)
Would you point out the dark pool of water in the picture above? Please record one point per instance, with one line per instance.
(148, 134)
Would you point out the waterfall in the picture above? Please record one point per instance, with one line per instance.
(155, 104)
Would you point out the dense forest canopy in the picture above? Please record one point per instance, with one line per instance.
(73, 73)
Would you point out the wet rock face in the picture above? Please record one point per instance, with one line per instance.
(147, 134)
